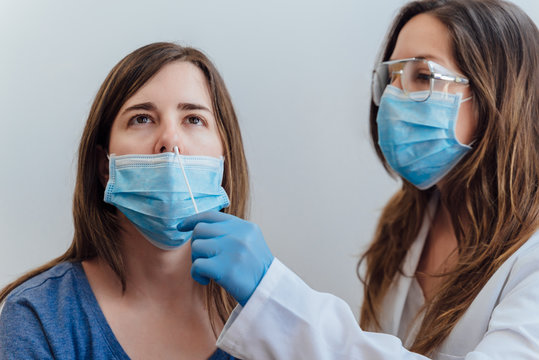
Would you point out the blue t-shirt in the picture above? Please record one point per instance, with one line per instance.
(55, 315)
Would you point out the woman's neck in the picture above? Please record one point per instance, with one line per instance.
(162, 309)
(439, 253)
(155, 274)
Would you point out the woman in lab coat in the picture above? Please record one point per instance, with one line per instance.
(453, 271)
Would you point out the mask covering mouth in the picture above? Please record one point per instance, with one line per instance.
(155, 192)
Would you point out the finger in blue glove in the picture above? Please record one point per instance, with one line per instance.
(229, 250)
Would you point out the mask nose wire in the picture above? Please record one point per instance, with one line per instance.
(185, 177)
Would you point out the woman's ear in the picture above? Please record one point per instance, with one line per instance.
(103, 165)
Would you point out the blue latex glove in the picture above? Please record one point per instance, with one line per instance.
(229, 250)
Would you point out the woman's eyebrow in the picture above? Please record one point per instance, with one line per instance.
(192, 106)
(149, 106)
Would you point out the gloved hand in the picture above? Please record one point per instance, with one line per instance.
(229, 250)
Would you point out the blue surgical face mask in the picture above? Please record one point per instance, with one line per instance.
(152, 192)
(418, 138)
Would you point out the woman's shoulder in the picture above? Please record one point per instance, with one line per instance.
(520, 270)
(55, 315)
(530, 249)
(61, 278)
(527, 256)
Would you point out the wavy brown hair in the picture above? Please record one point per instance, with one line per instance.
(492, 195)
(96, 223)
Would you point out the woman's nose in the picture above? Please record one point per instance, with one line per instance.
(168, 138)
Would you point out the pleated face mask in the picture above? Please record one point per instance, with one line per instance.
(155, 192)
(418, 138)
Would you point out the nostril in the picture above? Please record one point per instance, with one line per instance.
(163, 149)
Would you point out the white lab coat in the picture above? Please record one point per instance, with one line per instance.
(286, 319)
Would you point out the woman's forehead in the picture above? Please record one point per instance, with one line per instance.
(177, 82)
(425, 36)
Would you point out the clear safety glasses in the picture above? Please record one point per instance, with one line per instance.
(418, 78)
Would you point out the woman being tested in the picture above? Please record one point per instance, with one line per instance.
(453, 271)
(151, 154)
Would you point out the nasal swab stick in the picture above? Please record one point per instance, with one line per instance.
(185, 177)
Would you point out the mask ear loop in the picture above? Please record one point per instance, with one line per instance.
(185, 177)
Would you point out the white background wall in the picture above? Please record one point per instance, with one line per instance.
(299, 75)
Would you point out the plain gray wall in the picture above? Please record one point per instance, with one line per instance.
(299, 75)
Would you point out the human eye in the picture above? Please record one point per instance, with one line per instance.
(419, 78)
(195, 120)
(140, 119)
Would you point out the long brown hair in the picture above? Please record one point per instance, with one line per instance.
(492, 194)
(96, 226)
